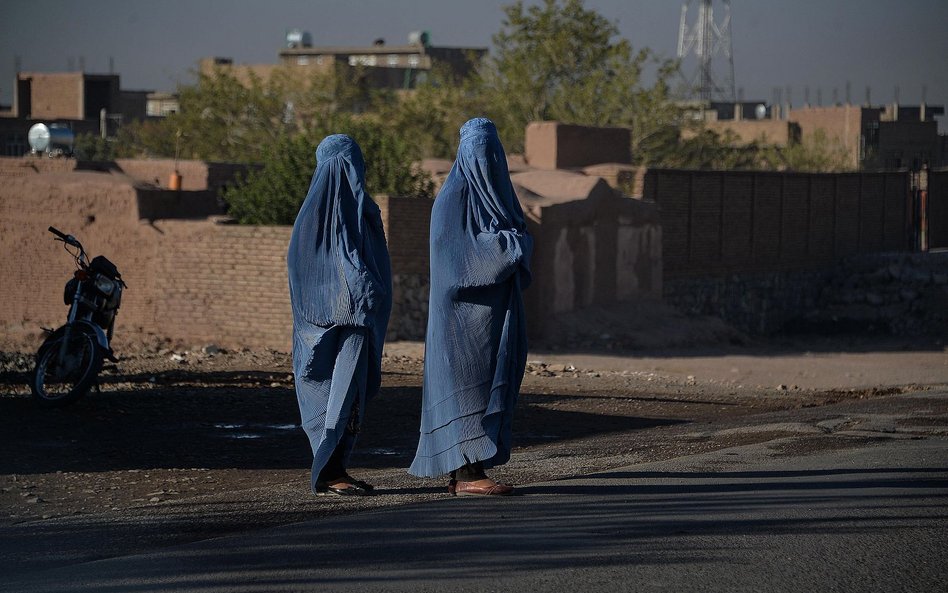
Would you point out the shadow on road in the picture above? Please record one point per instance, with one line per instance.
(235, 420)
(650, 520)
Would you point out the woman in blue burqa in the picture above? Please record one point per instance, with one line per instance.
(476, 345)
(341, 294)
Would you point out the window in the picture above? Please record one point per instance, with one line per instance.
(362, 60)
(302, 60)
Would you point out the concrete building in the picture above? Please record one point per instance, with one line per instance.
(384, 66)
(889, 137)
(748, 121)
(161, 104)
(876, 138)
(70, 99)
(73, 96)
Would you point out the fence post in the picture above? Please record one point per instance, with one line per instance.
(919, 198)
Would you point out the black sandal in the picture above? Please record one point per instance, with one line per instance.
(355, 488)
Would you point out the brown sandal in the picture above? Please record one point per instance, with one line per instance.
(474, 489)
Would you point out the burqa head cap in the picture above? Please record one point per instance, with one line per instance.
(479, 128)
(340, 145)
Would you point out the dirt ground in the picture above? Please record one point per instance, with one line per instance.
(210, 443)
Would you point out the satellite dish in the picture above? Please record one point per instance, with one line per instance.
(760, 112)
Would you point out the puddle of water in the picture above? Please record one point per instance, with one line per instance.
(380, 451)
(251, 435)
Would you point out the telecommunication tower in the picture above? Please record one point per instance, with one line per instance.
(707, 39)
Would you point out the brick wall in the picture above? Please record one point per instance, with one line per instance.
(756, 248)
(225, 284)
(191, 281)
(593, 252)
(195, 175)
(55, 95)
(842, 123)
(554, 145)
(196, 282)
(406, 231)
(769, 131)
(98, 209)
(30, 165)
(732, 222)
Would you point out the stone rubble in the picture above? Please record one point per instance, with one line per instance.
(895, 293)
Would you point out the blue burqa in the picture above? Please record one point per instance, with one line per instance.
(476, 345)
(341, 294)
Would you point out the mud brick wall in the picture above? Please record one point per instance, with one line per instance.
(195, 175)
(97, 208)
(733, 222)
(192, 282)
(842, 123)
(755, 248)
(57, 95)
(221, 283)
(594, 252)
(31, 165)
(555, 145)
(197, 282)
(407, 221)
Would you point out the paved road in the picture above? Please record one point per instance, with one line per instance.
(872, 516)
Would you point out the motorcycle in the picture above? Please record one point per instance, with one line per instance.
(70, 359)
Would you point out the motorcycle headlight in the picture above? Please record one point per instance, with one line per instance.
(104, 285)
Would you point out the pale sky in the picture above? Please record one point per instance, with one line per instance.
(817, 43)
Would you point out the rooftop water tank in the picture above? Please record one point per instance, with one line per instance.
(51, 139)
(422, 38)
(296, 38)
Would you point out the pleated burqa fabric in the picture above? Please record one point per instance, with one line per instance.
(341, 294)
(476, 344)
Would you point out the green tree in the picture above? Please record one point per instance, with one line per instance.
(815, 154)
(657, 122)
(429, 117)
(559, 61)
(708, 149)
(273, 194)
(221, 118)
(92, 147)
(390, 159)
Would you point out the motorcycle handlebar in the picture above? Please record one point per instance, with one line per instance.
(69, 239)
(58, 233)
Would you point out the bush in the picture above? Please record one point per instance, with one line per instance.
(274, 193)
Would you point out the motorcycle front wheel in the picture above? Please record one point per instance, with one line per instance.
(66, 370)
